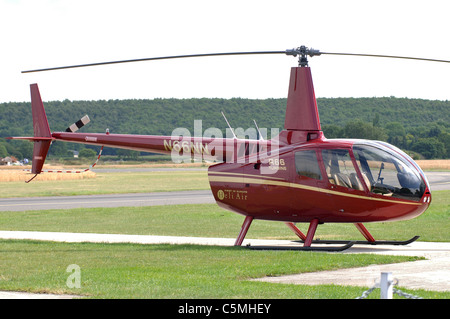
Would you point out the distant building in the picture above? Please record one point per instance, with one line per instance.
(75, 153)
(8, 160)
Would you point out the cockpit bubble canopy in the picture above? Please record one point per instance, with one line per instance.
(388, 172)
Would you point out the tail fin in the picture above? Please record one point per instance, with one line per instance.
(301, 110)
(40, 123)
(42, 136)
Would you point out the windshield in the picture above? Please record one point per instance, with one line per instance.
(407, 157)
(387, 174)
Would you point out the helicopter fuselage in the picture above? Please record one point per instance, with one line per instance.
(329, 180)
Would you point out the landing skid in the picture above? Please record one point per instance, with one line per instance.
(307, 239)
(347, 245)
(364, 242)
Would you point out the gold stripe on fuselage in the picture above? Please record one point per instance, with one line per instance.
(266, 181)
(247, 175)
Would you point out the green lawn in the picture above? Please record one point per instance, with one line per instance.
(173, 271)
(209, 220)
(181, 271)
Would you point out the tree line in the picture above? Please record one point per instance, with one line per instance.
(420, 127)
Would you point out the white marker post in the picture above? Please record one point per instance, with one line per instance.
(386, 285)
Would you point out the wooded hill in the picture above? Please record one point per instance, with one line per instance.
(422, 126)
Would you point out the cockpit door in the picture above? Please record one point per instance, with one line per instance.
(341, 171)
(308, 188)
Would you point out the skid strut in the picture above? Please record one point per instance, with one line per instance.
(297, 231)
(307, 239)
(363, 230)
(245, 226)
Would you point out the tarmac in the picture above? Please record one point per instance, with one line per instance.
(433, 273)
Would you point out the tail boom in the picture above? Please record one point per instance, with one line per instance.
(205, 148)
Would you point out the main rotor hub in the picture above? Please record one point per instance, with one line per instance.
(303, 52)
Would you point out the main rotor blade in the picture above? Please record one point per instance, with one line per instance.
(301, 51)
(156, 58)
(386, 56)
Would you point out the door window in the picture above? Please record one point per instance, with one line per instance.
(307, 165)
(340, 169)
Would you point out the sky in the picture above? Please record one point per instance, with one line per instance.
(49, 33)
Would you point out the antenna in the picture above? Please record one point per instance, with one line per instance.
(261, 138)
(232, 131)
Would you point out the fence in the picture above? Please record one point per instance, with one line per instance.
(387, 289)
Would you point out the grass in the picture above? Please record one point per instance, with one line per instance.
(188, 271)
(434, 165)
(173, 271)
(110, 183)
(209, 220)
(180, 271)
(15, 175)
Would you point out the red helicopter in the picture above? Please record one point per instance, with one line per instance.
(298, 176)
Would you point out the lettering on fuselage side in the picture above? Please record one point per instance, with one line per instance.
(194, 148)
(277, 164)
(90, 139)
(232, 194)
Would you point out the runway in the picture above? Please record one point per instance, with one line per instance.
(438, 181)
(113, 200)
